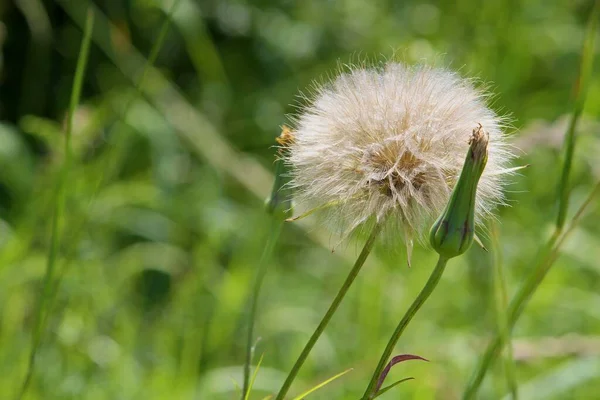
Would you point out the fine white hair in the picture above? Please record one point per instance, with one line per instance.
(389, 143)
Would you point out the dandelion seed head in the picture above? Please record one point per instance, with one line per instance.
(390, 143)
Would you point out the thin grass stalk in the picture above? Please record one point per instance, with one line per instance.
(368, 247)
(501, 294)
(41, 316)
(274, 231)
(326, 382)
(138, 88)
(154, 51)
(520, 300)
(424, 294)
(553, 245)
(278, 206)
(580, 93)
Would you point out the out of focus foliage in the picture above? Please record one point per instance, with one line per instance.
(165, 221)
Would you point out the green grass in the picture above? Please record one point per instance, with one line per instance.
(163, 223)
(501, 298)
(58, 209)
(551, 248)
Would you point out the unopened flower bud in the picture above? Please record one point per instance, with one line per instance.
(279, 203)
(452, 234)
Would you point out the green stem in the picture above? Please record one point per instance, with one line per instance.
(581, 89)
(332, 309)
(550, 251)
(59, 209)
(514, 311)
(434, 278)
(274, 231)
(549, 255)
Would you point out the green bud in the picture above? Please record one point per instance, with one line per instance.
(453, 232)
(279, 203)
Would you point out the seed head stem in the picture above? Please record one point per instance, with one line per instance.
(274, 232)
(431, 284)
(278, 206)
(332, 309)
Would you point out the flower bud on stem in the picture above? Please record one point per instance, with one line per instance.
(279, 206)
(451, 235)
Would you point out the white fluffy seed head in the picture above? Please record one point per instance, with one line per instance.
(389, 143)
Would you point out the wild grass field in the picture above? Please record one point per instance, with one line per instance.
(132, 214)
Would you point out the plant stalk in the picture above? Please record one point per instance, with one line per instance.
(274, 232)
(517, 305)
(431, 284)
(332, 309)
(550, 250)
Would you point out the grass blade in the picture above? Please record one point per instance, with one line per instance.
(550, 250)
(389, 387)
(517, 305)
(59, 207)
(320, 385)
(247, 395)
(274, 232)
(581, 89)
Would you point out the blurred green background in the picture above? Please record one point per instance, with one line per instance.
(165, 224)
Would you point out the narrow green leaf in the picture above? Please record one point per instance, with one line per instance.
(581, 88)
(247, 395)
(276, 225)
(550, 250)
(389, 387)
(235, 385)
(320, 385)
(312, 210)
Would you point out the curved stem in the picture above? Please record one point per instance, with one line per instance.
(517, 305)
(332, 309)
(515, 309)
(550, 250)
(434, 278)
(274, 231)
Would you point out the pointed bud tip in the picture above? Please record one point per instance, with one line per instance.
(453, 233)
(479, 142)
